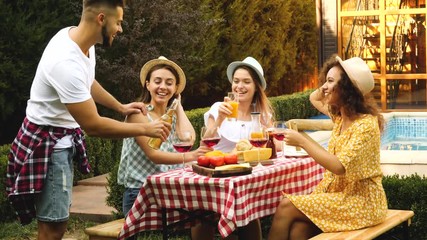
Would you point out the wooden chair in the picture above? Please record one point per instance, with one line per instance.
(105, 231)
(302, 125)
(311, 124)
(394, 218)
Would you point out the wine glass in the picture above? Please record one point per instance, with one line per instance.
(279, 134)
(210, 136)
(182, 141)
(258, 138)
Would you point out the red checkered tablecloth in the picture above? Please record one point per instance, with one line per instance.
(238, 199)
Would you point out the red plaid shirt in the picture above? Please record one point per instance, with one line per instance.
(28, 163)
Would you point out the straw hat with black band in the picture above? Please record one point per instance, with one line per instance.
(164, 61)
(250, 62)
(359, 73)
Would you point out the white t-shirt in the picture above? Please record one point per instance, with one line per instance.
(231, 131)
(64, 75)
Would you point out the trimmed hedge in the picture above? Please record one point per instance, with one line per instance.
(409, 193)
(292, 106)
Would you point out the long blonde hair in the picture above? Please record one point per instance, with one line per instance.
(260, 101)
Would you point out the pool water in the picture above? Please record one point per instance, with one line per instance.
(405, 133)
(405, 146)
(400, 133)
(403, 143)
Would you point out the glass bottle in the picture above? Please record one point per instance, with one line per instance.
(256, 122)
(155, 143)
(258, 136)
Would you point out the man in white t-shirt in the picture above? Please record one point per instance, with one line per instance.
(62, 104)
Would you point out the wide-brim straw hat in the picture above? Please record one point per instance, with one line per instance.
(164, 61)
(359, 73)
(250, 62)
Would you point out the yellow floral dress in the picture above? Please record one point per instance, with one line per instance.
(356, 199)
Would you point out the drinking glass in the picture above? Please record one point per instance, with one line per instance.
(182, 141)
(210, 137)
(279, 134)
(258, 137)
(234, 102)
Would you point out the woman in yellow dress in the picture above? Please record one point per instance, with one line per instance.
(351, 195)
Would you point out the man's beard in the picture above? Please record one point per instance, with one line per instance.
(105, 37)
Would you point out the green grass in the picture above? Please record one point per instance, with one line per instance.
(14, 230)
(75, 230)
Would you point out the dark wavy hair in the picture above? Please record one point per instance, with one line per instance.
(349, 97)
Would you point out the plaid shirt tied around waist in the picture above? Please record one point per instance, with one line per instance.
(28, 163)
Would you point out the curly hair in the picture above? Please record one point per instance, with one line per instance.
(350, 98)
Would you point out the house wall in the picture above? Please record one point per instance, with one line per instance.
(327, 18)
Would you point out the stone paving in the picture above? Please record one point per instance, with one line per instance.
(89, 200)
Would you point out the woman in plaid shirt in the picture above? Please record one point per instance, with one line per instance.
(162, 81)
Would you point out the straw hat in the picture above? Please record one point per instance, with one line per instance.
(162, 60)
(359, 73)
(250, 62)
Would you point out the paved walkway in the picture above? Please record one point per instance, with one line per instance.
(89, 200)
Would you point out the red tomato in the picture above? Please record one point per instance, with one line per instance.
(216, 161)
(203, 161)
(230, 159)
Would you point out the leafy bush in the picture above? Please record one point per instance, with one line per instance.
(27, 26)
(409, 193)
(6, 211)
(293, 106)
(115, 192)
(103, 155)
(196, 118)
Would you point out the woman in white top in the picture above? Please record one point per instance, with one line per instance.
(247, 80)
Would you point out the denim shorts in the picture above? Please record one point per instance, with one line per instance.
(129, 197)
(53, 203)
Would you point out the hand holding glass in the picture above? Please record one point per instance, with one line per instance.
(210, 137)
(234, 102)
(279, 133)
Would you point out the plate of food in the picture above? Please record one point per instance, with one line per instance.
(294, 153)
(223, 171)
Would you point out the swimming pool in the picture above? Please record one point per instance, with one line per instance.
(404, 132)
(403, 143)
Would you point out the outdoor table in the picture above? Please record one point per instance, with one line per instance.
(170, 197)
